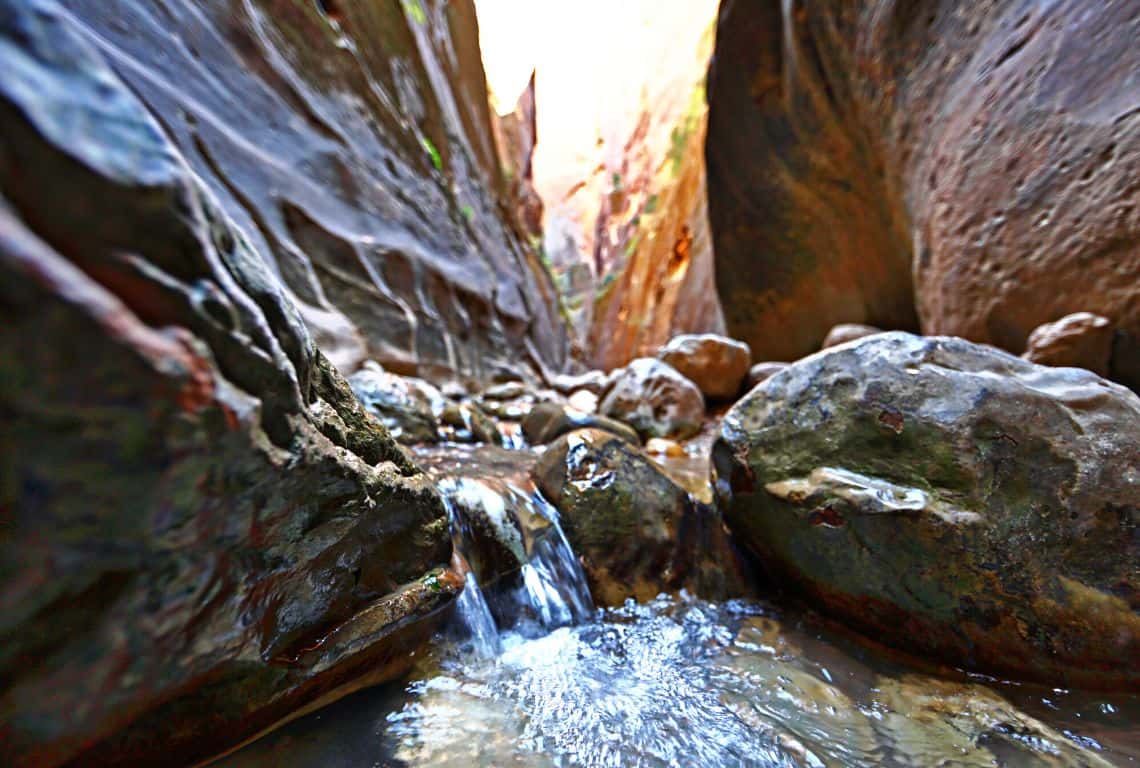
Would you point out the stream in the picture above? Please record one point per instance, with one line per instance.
(531, 674)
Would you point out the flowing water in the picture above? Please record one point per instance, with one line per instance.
(549, 681)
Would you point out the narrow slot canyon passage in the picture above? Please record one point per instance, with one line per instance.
(528, 383)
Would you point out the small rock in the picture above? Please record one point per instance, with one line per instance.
(549, 421)
(509, 390)
(663, 447)
(591, 381)
(454, 390)
(406, 407)
(655, 399)
(584, 400)
(716, 364)
(845, 332)
(763, 371)
(637, 532)
(1079, 340)
(465, 422)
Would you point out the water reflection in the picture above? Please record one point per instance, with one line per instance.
(679, 682)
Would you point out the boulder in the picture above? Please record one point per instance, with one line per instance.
(716, 364)
(407, 407)
(966, 169)
(1079, 340)
(653, 398)
(204, 532)
(636, 532)
(845, 332)
(949, 499)
(762, 372)
(547, 422)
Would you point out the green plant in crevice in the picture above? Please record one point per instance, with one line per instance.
(416, 10)
(436, 157)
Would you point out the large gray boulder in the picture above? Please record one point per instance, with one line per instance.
(949, 499)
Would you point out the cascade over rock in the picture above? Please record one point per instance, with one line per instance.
(204, 533)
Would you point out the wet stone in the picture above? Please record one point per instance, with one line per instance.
(637, 532)
(548, 421)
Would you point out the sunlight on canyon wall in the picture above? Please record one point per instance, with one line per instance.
(618, 163)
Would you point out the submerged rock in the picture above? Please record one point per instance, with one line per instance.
(548, 421)
(204, 531)
(716, 364)
(636, 531)
(1079, 340)
(950, 499)
(653, 398)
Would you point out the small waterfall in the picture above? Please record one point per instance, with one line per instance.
(475, 620)
(553, 592)
(552, 576)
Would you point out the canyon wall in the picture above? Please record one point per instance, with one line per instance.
(967, 169)
(206, 209)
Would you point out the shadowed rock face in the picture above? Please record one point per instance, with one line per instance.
(991, 150)
(951, 499)
(352, 143)
(203, 532)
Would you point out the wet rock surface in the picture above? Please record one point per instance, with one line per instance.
(547, 422)
(351, 142)
(637, 532)
(716, 364)
(205, 533)
(407, 407)
(653, 398)
(989, 150)
(950, 499)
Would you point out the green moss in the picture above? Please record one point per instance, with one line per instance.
(415, 10)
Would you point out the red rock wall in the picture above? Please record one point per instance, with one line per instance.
(986, 152)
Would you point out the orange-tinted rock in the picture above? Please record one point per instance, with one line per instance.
(1079, 340)
(619, 165)
(716, 364)
(845, 332)
(989, 149)
(654, 399)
